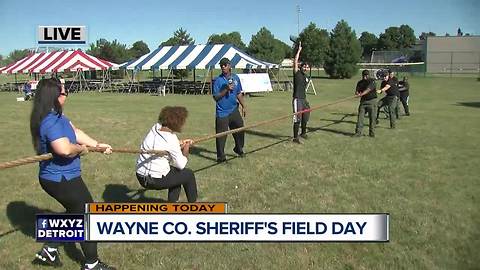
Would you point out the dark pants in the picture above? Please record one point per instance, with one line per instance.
(73, 195)
(300, 104)
(232, 121)
(404, 99)
(391, 102)
(370, 107)
(174, 181)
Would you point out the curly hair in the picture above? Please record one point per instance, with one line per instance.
(173, 117)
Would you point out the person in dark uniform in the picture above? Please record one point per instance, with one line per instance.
(299, 101)
(227, 93)
(61, 177)
(390, 87)
(365, 90)
(404, 88)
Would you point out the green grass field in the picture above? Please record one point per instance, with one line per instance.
(424, 173)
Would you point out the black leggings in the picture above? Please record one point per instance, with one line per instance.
(174, 181)
(72, 194)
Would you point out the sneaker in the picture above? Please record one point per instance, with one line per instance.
(297, 140)
(221, 160)
(304, 136)
(239, 153)
(371, 135)
(99, 266)
(46, 257)
(407, 114)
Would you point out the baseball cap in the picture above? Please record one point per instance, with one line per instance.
(224, 61)
(365, 72)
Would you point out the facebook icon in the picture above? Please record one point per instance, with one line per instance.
(42, 223)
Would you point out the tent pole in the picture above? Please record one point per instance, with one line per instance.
(205, 80)
(194, 81)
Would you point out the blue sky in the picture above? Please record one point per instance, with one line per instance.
(155, 21)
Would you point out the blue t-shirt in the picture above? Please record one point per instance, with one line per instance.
(228, 103)
(55, 127)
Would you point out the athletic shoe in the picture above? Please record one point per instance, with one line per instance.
(371, 135)
(99, 266)
(239, 153)
(297, 140)
(221, 160)
(46, 257)
(304, 136)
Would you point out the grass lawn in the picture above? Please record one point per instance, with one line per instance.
(424, 173)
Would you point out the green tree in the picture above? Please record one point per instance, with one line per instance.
(287, 50)
(15, 56)
(424, 35)
(344, 52)
(390, 39)
(180, 37)
(369, 42)
(315, 42)
(231, 38)
(114, 51)
(266, 47)
(407, 37)
(396, 38)
(138, 49)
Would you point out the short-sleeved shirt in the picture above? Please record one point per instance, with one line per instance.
(228, 103)
(393, 90)
(363, 85)
(54, 127)
(299, 85)
(403, 86)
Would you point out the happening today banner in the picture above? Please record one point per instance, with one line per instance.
(206, 222)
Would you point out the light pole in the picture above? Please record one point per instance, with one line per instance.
(298, 19)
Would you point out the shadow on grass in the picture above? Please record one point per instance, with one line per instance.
(469, 104)
(22, 218)
(122, 193)
(247, 153)
(266, 135)
(280, 138)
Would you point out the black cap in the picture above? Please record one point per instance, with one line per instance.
(365, 72)
(224, 61)
(389, 71)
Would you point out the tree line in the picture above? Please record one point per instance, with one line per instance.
(337, 51)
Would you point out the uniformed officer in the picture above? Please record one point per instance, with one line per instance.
(404, 89)
(389, 86)
(365, 90)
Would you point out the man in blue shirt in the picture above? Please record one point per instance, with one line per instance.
(227, 93)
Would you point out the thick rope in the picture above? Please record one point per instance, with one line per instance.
(33, 159)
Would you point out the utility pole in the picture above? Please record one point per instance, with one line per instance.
(298, 19)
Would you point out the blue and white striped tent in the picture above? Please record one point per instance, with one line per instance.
(194, 57)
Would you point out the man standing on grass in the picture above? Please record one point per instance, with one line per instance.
(365, 90)
(299, 101)
(227, 93)
(390, 87)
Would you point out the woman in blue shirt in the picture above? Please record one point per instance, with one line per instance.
(52, 132)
